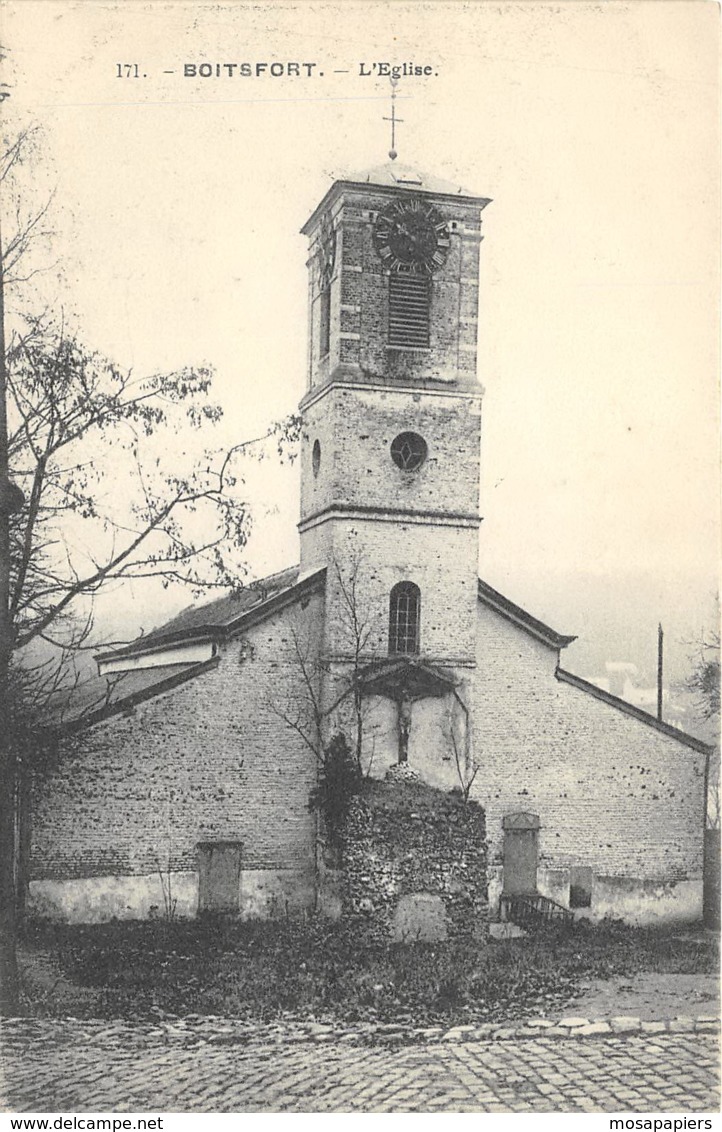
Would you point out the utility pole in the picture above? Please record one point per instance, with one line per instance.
(660, 670)
(11, 499)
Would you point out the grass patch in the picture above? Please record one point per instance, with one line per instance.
(316, 969)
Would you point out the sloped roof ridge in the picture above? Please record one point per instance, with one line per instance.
(514, 613)
(631, 709)
(216, 618)
(106, 696)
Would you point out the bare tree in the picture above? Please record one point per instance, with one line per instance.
(302, 710)
(10, 499)
(79, 424)
(322, 690)
(704, 685)
(459, 735)
(325, 685)
(356, 631)
(107, 497)
(27, 223)
(704, 680)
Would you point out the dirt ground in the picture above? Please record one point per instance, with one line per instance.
(649, 996)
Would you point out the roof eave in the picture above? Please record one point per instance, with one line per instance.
(302, 588)
(635, 712)
(217, 633)
(338, 186)
(380, 677)
(108, 710)
(200, 633)
(523, 620)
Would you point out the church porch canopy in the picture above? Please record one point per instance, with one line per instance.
(403, 678)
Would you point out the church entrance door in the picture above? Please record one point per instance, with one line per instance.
(521, 852)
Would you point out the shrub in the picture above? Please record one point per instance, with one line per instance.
(339, 779)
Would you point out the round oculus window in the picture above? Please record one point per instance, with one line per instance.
(316, 457)
(408, 451)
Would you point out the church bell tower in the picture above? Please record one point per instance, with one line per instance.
(392, 412)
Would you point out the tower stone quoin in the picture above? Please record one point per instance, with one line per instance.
(392, 411)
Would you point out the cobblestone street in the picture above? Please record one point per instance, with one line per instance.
(69, 1067)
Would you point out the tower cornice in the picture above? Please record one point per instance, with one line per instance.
(389, 515)
(429, 388)
(401, 188)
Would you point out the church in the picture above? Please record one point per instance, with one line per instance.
(187, 784)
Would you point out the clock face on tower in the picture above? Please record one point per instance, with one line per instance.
(411, 237)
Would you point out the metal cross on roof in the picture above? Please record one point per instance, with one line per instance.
(393, 119)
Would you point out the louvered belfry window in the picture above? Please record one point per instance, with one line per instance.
(409, 303)
(404, 618)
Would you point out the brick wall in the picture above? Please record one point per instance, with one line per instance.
(440, 560)
(355, 428)
(612, 792)
(210, 760)
(359, 297)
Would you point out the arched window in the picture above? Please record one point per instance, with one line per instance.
(404, 618)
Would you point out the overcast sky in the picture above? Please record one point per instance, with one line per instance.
(594, 130)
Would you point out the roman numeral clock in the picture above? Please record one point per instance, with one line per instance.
(411, 237)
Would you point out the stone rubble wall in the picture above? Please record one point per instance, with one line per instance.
(414, 863)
